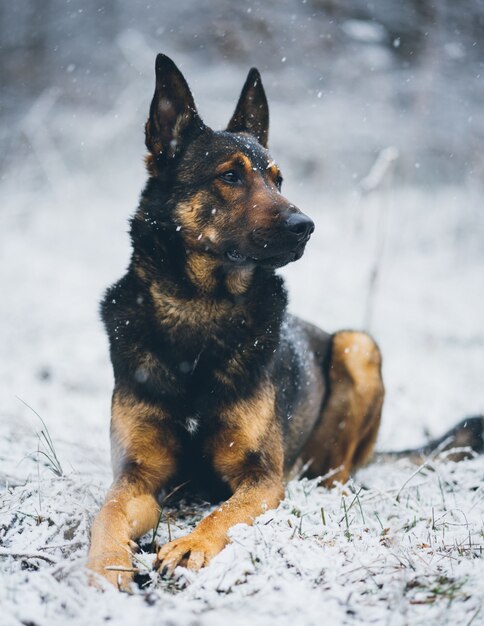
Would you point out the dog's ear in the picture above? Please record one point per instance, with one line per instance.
(252, 111)
(172, 110)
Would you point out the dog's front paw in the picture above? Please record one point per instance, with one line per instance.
(193, 551)
(115, 568)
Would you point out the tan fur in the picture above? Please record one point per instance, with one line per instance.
(238, 281)
(238, 158)
(195, 312)
(211, 235)
(125, 515)
(130, 508)
(187, 216)
(201, 270)
(137, 427)
(150, 164)
(345, 434)
(248, 425)
(273, 170)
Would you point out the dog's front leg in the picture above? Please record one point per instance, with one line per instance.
(129, 511)
(247, 453)
(211, 535)
(143, 462)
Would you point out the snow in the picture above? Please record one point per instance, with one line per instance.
(393, 546)
(361, 30)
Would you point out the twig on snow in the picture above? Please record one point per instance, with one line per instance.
(27, 555)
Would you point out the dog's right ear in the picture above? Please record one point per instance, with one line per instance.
(172, 110)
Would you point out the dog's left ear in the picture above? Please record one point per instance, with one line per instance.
(172, 111)
(252, 111)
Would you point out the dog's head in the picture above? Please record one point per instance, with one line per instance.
(222, 189)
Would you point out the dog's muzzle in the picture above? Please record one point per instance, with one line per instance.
(276, 246)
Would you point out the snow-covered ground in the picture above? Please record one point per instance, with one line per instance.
(394, 546)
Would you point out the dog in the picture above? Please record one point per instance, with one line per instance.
(215, 382)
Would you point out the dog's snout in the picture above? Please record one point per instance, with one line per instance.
(300, 225)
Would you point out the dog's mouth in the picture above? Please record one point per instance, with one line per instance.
(236, 257)
(280, 260)
(269, 259)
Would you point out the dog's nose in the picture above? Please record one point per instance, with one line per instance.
(299, 224)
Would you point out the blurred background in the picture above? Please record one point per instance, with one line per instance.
(350, 77)
(376, 121)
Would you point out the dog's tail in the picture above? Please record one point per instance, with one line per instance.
(464, 441)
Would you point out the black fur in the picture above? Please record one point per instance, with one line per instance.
(188, 360)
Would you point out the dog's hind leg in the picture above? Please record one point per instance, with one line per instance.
(345, 433)
(142, 462)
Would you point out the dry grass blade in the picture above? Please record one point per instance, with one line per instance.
(45, 438)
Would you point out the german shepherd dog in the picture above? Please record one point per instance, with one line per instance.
(215, 383)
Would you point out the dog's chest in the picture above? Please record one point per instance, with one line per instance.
(195, 464)
(201, 363)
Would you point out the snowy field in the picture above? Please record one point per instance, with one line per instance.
(398, 545)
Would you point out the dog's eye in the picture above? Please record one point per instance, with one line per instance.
(230, 176)
(278, 182)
